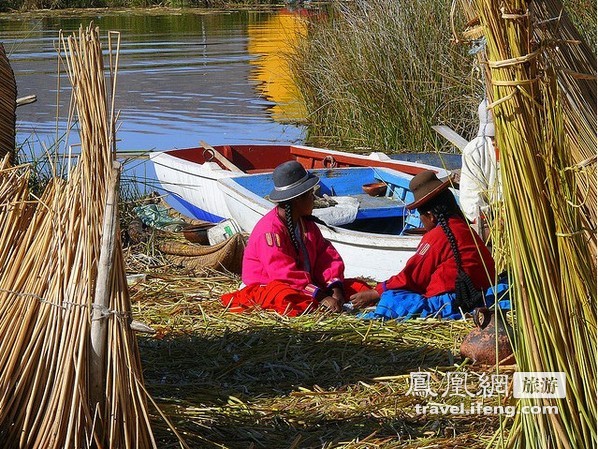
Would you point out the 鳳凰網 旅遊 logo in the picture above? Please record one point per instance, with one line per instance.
(539, 385)
(475, 391)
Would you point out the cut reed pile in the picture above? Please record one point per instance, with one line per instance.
(50, 255)
(546, 130)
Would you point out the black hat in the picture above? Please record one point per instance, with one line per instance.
(425, 186)
(290, 181)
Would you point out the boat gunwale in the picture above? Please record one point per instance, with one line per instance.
(261, 206)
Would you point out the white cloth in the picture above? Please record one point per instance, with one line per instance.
(486, 128)
(479, 184)
(345, 211)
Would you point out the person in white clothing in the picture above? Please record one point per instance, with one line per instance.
(479, 184)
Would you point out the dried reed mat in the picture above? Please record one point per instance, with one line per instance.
(226, 255)
(552, 259)
(316, 381)
(48, 288)
(8, 106)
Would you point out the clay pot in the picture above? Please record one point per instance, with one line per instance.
(375, 188)
(197, 233)
(491, 333)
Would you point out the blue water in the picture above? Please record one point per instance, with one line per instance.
(182, 78)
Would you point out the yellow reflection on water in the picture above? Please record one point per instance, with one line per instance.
(272, 40)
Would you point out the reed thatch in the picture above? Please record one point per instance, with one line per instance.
(542, 85)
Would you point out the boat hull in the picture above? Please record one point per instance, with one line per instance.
(372, 255)
(190, 175)
(192, 186)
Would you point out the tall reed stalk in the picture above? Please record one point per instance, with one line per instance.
(551, 250)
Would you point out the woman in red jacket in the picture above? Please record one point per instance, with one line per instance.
(450, 270)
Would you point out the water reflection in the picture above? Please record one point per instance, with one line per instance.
(273, 40)
(181, 78)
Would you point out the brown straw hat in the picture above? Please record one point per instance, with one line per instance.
(425, 186)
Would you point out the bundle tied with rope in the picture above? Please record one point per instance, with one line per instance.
(71, 371)
(541, 83)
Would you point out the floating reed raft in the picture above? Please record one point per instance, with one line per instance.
(320, 380)
(54, 266)
(541, 111)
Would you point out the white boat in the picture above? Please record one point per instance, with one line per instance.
(375, 242)
(190, 175)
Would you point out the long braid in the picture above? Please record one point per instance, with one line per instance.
(441, 215)
(288, 212)
(468, 296)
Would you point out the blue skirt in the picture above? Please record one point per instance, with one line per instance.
(405, 304)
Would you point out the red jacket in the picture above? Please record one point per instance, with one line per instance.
(432, 270)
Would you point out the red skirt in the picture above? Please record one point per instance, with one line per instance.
(281, 298)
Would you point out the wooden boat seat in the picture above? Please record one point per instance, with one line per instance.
(378, 207)
(319, 159)
(307, 158)
(258, 170)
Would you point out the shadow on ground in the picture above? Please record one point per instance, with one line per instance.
(276, 386)
(273, 361)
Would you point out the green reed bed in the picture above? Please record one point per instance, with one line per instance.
(320, 380)
(379, 74)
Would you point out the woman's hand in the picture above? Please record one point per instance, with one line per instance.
(332, 304)
(364, 299)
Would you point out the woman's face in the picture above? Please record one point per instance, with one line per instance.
(304, 204)
(428, 220)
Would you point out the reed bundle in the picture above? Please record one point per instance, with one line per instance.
(51, 256)
(575, 73)
(540, 119)
(575, 65)
(8, 105)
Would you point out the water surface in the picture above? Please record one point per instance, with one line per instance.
(218, 77)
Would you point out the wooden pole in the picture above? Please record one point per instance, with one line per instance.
(102, 292)
(220, 158)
